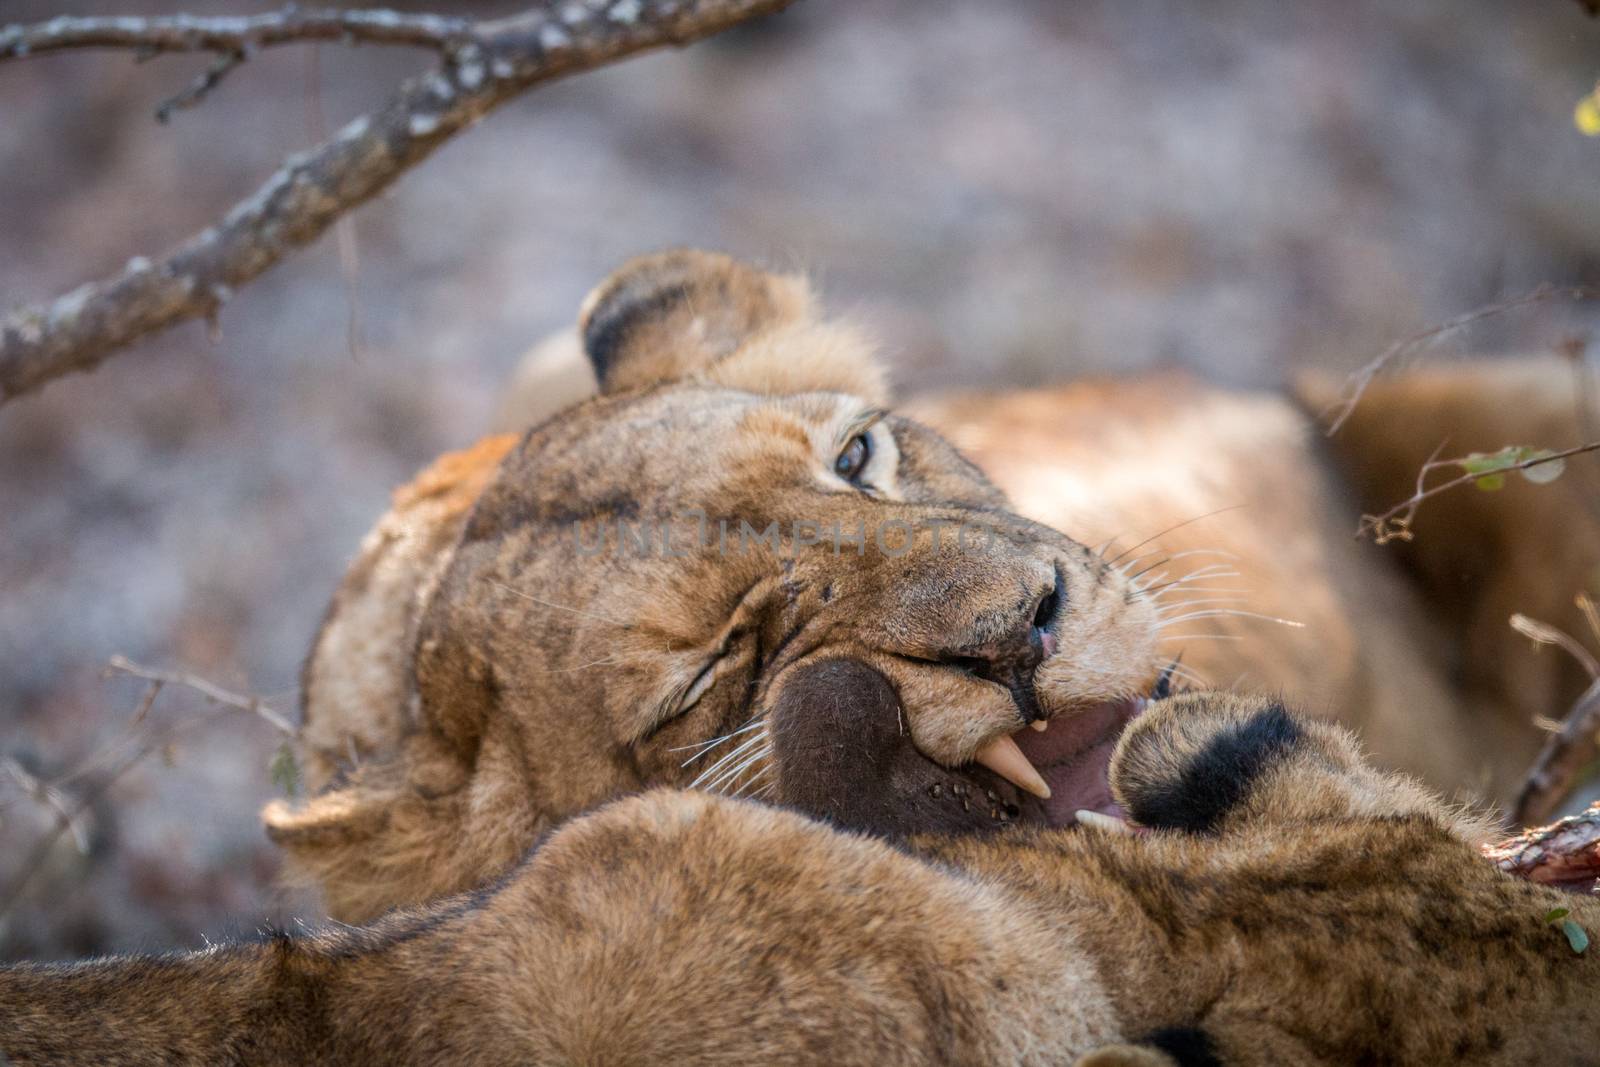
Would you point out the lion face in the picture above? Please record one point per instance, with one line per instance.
(734, 532)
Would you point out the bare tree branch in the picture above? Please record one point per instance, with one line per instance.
(233, 34)
(1395, 524)
(496, 61)
(1569, 750)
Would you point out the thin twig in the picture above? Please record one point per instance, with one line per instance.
(344, 230)
(48, 795)
(203, 83)
(1545, 634)
(1566, 752)
(66, 818)
(494, 62)
(210, 690)
(1395, 524)
(1591, 613)
(1356, 385)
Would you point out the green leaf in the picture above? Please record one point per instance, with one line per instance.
(284, 770)
(1494, 465)
(1576, 937)
(1489, 462)
(1555, 915)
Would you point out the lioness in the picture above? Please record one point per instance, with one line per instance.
(1287, 904)
(625, 595)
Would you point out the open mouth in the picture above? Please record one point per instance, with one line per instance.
(1072, 757)
(1057, 771)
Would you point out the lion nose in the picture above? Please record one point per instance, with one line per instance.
(1011, 659)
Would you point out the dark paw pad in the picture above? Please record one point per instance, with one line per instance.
(1207, 769)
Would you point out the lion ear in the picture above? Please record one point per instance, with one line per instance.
(689, 314)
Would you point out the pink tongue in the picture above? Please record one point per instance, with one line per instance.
(1073, 756)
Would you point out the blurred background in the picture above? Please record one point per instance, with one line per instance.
(1011, 192)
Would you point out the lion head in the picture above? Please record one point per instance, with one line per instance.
(735, 534)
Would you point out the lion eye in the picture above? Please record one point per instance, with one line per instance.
(853, 460)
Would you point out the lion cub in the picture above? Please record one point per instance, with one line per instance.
(1283, 903)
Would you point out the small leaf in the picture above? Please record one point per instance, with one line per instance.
(284, 770)
(1490, 462)
(1544, 473)
(1576, 937)
(1491, 483)
(1555, 915)
(1586, 116)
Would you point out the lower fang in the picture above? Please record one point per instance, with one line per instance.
(1101, 821)
(1040, 725)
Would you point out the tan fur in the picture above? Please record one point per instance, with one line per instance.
(523, 680)
(1334, 914)
(480, 684)
(462, 700)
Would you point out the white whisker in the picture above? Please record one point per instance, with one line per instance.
(1169, 529)
(1179, 605)
(1205, 574)
(560, 607)
(1212, 613)
(1162, 597)
(753, 781)
(1178, 670)
(743, 747)
(728, 777)
(707, 746)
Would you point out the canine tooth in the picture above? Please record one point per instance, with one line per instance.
(1003, 757)
(1040, 725)
(1101, 821)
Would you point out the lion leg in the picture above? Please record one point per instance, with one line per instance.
(678, 927)
(1208, 763)
(1478, 557)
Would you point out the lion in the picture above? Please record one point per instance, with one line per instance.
(709, 493)
(1282, 901)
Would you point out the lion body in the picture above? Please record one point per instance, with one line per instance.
(482, 684)
(1326, 914)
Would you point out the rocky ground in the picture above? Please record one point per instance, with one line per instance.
(1018, 191)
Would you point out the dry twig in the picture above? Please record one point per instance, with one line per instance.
(1545, 634)
(1565, 854)
(107, 766)
(1356, 385)
(487, 63)
(210, 690)
(67, 818)
(1395, 524)
(1575, 742)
